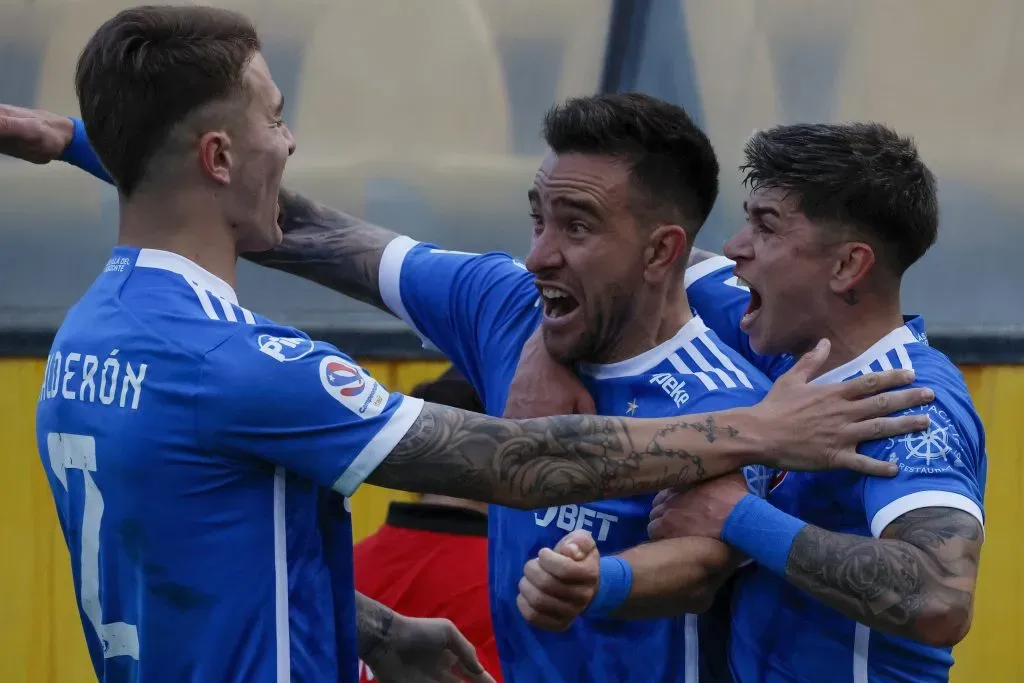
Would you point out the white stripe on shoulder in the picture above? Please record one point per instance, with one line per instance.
(680, 365)
(726, 361)
(204, 299)
(248, 316)
(697, 357)
(229, 311)
(896, 341)
(704, 268)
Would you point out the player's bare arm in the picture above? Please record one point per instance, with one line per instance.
(916, 581)
(676, 576)
(329, 247)
(668, 578)
(400, 649)
(576, 458)
(373, 626)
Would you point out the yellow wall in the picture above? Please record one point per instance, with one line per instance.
(41, 635)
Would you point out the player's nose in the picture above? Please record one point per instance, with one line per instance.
(545, 253)
(739, 246)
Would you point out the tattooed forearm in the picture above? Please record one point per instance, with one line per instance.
(916, 581)
(328, 247)
(373, 627)
(558, 460)
(698, 255)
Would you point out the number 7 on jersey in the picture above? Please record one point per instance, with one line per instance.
(77, 452)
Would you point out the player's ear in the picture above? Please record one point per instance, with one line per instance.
(854, 260)
(215, 156)
(665, 248)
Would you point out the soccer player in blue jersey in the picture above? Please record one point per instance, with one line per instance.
(614, 221)
(196, 451)
(855, 579)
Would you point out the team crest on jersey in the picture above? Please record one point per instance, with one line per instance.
(284, 349)
(352, 387)
(937, 449)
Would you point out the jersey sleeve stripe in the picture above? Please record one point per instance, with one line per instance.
(924, 499)
(379, 446)
(726, 361)
(389, 281)
(704, 365)
(680, 366)
(706, 267)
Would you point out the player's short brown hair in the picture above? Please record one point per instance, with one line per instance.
(146, 69)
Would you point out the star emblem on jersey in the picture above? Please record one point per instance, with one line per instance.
(631, 407)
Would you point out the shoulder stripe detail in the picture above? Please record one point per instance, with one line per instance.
(896, 342)
(229, 311)
(726, 361)
(702, 363)
(681, 367)
(227, 307)
(905, 362)
(204, 299)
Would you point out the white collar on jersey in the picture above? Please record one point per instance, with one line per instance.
(176, 263)
(638, 365)
(895, 340)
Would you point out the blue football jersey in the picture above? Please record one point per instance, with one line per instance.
(198, 455)
(479, 310)
(780, 633)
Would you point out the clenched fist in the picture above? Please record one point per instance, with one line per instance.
(558, 584)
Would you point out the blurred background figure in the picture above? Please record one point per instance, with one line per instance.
(429, 558)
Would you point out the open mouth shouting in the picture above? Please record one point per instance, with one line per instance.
(753, 307)
(560, 306)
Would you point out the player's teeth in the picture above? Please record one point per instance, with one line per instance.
(742, 282)
(552, 293)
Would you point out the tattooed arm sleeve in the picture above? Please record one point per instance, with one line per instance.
(916, 577)
(328, 247)
(557, 460)
(916, 581)
(373, 626)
